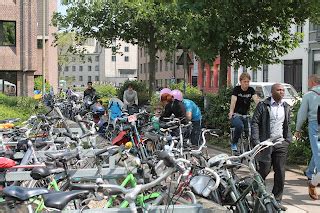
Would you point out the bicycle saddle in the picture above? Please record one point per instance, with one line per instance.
(23, 193)
(60, 155)
(38, 173)
(59, 200)
(89, 187)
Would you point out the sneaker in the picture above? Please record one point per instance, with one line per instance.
(234, 147)
(312, 191)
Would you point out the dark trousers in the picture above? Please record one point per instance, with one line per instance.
(276, 157)
(239, 124)
(196, 133)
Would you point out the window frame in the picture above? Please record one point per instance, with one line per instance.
(15, 34)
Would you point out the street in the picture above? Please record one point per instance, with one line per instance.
(295, 196)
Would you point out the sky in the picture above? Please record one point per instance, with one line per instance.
(61, 9)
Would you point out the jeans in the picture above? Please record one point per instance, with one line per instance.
(314, 165)
(196, 133)
(239, 123)
(276, 157)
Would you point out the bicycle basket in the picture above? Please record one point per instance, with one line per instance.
(201, 185)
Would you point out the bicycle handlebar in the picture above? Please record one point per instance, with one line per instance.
(259, 147)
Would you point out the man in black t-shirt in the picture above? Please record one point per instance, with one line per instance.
(90, 91)
(240, 104)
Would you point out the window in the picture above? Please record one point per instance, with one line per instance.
(96, 68)
(166, 66)
(113, 58)
(316, 62)
(7, 33)
(80, 68)
(89, 59)
(235, 76)
(97, 58)
(299, 29)
(80, 78)
(66, 69)
(126, 49)
(160, 65)
(244, 68)
(177, 66)
(140, 68)
(204, 76)
(39, 43)
(89, 68)
(126, 58)
(254, 75)
(96, 78)
(156, 66)
(73, 68)
(140, 52)
(211, 78)
(89, 78)
(145, 67)
(127, 71)
(265, 73)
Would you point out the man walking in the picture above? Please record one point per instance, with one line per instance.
(308, 110)
(272, 119)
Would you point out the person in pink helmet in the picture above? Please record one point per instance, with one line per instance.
(172, 106)
(177, 94)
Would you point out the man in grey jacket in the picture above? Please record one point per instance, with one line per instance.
(130, 97)
(308, 110)
(272, 119)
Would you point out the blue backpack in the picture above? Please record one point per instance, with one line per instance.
(115, 110)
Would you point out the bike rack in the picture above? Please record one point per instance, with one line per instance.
(106, 173)
(192, 208)
(112, 172)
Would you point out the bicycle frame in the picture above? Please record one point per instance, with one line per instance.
(130, 179)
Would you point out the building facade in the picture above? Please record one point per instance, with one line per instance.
(167, 71)
(101, 65)
(121, 63)
(21, 44)
(295, 67)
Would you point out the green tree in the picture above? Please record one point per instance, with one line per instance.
(153, 25)
(38, 84)
(247, 32)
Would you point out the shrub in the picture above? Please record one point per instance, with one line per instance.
(299, 150)
(18, 107)
(216, 115)
(105, 91)
(38, 84)
(138, 86)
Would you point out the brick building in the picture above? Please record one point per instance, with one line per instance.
(21, 43)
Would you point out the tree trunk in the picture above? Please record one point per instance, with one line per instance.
(152, 65)
(223, 73)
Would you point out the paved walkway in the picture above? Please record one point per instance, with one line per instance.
(296, 197)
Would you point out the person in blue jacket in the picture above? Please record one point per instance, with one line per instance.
(193, 114)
